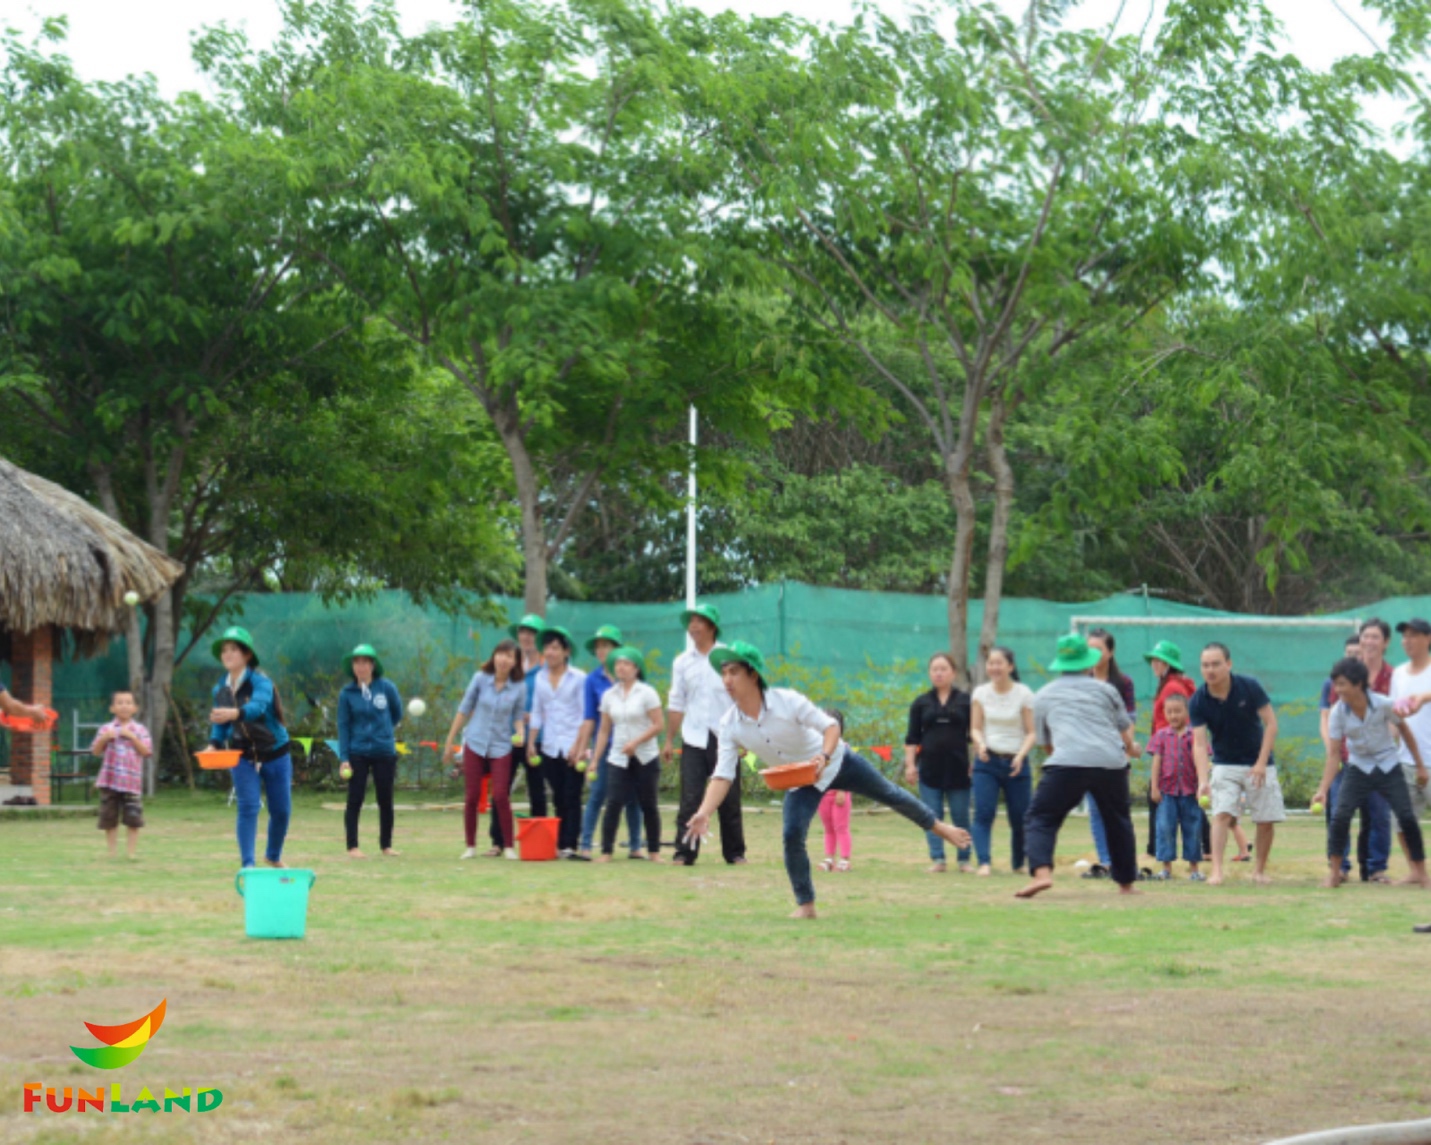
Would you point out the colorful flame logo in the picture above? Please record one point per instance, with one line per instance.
(122, 1044)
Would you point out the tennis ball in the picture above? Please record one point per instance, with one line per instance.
(1204, 801)
(581, 765)
(131, 598)
(1317, 808)
(534, 760)
(518, 740)
(346, 771)
(416, 707)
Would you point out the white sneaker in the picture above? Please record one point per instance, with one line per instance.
(509, 853)
(470, 853)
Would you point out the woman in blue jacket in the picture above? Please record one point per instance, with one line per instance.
(248, 717)
(369, 709)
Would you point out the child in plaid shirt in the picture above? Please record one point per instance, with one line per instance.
(1174, 789)
(124, 743)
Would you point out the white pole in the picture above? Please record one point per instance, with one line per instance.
(691, 519)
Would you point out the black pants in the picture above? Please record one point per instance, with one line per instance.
(644, 779)
(566, 784)
(1060, 790)
(1391, 786)
(697, 766)
(384, 771)
(1152, 847)
(536, 795)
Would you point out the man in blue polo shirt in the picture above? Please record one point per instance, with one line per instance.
(1234, 732)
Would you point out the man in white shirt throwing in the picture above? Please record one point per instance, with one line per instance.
(781, 726)
(698, 701)
(1410, 683)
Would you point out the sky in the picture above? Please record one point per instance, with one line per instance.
(109, 40)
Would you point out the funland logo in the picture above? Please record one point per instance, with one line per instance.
(122, 1045)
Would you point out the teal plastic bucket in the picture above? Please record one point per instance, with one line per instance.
(275, 901)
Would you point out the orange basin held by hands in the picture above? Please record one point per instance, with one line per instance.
(789, 775)
(218, 760)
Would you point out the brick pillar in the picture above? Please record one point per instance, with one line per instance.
(32, 659)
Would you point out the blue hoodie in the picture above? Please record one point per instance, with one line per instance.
(366, 723)
(259, 732)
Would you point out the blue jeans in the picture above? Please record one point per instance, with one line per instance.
(858, 776)
(275, 779)
(935, 798)
(1099, 832)
(596, 803)
(1179, 812)
(1374, 839)
(989, 779)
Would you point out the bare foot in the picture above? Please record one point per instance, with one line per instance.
(1037, 887)
(983, 872)
(1332, 882)
(805, 911)
(652, 857)
(279, 863)
(1262, 880)
(938, 868)
(390, 853)
(964, 868)
(602, 859)
(1130, 889)
(354, 853)
(951, 834)
(1214, 880)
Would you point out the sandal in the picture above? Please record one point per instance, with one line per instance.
(494, 853)
(843, 865)
(1097, 871)
(1380, 877)
(827, 864)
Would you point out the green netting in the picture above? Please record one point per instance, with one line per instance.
(864, 651)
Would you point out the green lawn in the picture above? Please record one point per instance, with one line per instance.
(522, 1002)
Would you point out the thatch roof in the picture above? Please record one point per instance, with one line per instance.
(66, 563)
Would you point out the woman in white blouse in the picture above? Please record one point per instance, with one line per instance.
(630, 723)
(1002, 728)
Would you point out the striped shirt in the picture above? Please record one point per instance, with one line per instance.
(123, 766)
(1177, 774)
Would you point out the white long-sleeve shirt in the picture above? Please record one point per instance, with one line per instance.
(557, 712)
(698, 692)
(789, 729)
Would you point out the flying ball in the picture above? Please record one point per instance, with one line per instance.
(416, 707)
(131, 598)
(346, 771)
(1317, 808)
(1204, 801)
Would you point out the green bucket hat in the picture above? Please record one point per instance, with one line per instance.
(1074, 655)
(707, 612)
(548, 631)
(739, 652)
(605, 632)
(235, 635)
(531, 620)
(626, 652)
(363, 650)
(1168, 652)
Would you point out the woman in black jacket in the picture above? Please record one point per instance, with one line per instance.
(936, 754)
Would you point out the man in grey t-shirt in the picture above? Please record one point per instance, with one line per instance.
(1084, 725)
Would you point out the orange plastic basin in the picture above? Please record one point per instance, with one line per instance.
(537, 839)
(789, 775)
(218, 760)
(31, 726)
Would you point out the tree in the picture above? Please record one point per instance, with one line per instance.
(513, 194)
(161, 351)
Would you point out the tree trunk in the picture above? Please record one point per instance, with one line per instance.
(958, 468)
(534, 539)
(1003, 475)
(133, 635)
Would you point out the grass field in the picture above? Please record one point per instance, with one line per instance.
(521, 1002)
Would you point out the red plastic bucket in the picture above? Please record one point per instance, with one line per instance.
(537, 839)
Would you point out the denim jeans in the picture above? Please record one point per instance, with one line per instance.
(1179, 812)
(856, 775)
(958, 800)
(991, 777)
(275, 780)
(1373, 841)
(1098, 831)
(596, 804)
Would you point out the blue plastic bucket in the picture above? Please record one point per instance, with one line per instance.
(275, 901)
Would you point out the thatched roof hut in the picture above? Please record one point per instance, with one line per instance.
(65, 567)
(67, 564)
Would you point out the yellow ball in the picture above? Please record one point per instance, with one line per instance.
(346, 771)
(1204, 801)
(1317, 808)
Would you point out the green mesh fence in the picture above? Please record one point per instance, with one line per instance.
(864, 652)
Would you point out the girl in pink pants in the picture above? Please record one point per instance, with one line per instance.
(835, 815)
